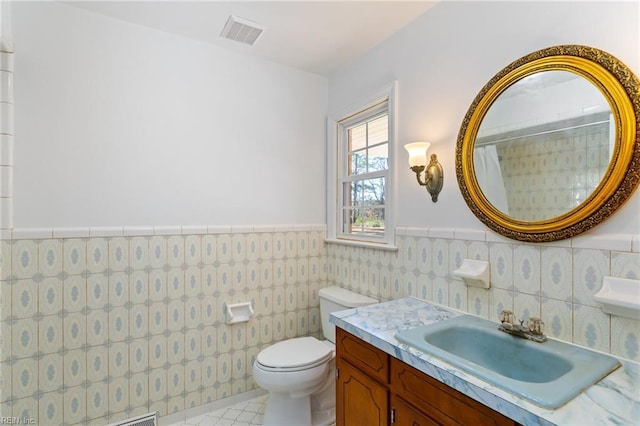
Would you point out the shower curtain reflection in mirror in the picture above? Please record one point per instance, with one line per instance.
(489, 176)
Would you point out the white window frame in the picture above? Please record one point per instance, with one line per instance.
(336, 155)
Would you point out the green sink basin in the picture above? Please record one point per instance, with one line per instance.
(548, 374)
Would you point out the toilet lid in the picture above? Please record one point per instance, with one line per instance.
(295, 353)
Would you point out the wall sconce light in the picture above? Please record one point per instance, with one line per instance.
(433, 176)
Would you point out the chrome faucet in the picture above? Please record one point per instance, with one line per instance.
(534, 330)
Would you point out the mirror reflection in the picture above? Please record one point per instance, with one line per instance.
(544, 145)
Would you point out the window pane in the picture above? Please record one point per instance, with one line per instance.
(364, 193)
(367, 221)
(373, 221)
(356, 193)
(357, 189)
(358, 137)
(358, 163)
(373, 191)
(379, 130)
(378, 158)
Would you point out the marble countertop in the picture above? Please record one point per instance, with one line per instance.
(613, 400)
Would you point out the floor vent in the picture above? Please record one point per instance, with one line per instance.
(242, 30)
(150, 419)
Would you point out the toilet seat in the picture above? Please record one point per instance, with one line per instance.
(297, 354)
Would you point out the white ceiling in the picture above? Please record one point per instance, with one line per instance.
(314, 36)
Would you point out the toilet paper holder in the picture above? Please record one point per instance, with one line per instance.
(238, 312)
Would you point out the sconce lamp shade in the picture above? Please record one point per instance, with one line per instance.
(417, 153)
(433, 173)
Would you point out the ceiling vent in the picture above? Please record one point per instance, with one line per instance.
(242, 30)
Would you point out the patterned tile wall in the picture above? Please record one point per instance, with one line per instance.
(99, 329)
(556, 283)
(551, 173)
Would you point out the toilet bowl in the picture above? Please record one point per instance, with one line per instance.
(299, 373)
(292, 371)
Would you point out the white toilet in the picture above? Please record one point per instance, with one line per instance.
(299, 373)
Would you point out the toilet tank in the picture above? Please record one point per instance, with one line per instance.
(333, 299)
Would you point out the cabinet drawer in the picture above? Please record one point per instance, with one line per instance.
(440, 402)
(368, 358)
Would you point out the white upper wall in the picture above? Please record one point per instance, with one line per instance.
(121, 125)
(443, 59)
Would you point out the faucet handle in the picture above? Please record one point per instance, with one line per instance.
(535, 325)
(506, 316)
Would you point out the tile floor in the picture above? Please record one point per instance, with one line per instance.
(244, 413)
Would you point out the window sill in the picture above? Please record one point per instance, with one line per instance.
(364, 244)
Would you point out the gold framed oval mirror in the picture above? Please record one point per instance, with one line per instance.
(550, 147)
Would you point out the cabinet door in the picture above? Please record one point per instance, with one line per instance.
(439, 401)
(406, 415)
(360, 400)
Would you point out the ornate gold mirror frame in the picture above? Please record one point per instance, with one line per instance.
(618, 85)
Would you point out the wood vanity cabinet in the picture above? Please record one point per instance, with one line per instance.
(373, 388)
(363, 374)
